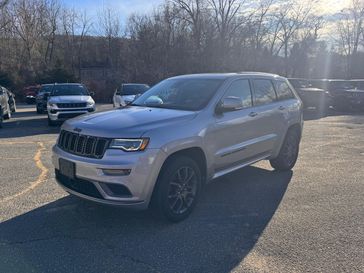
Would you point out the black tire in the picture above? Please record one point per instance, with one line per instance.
(51, 122)
(39, 111)
(177, 189)
(288, 154)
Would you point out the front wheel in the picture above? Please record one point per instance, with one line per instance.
(288, 154)
(178, 188)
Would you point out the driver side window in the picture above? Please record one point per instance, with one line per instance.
(240, 89)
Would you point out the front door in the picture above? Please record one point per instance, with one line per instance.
(234, 132)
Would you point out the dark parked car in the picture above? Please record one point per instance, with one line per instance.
(5, 110)
(341, 99)
(42, 98)
(311, 97)
(352, 99)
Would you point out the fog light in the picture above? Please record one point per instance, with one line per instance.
(116, 172)
(53, 111)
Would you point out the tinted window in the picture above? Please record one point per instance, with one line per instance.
(69, 90)
(183, 94)
(263, 92)
(284, 92)
(240, 89)
(132, 89)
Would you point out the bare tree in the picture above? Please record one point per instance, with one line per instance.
(110, 28)
(350, 29)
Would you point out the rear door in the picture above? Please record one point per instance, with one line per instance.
(268, 110)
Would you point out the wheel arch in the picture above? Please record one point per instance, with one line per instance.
(195, 153)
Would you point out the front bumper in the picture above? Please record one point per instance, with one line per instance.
(91, 182)
(56, 114)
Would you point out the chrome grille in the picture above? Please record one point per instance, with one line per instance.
(82, 145)
(71, 105)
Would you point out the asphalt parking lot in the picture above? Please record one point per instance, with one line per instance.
(254, 220)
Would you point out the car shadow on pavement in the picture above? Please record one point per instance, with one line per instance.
(71, 235)
(28, 125)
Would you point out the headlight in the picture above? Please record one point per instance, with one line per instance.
(50, 104)
(130, 145)
(90, 103)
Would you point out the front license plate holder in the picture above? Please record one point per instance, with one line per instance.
(67, 168)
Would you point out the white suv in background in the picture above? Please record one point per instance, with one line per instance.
(68, 100)
(128, 92)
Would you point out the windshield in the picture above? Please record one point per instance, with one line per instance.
(69, 90)
(181, 94)
(132, 89)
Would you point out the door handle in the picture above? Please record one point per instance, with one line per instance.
(281, 107)
(253, 114)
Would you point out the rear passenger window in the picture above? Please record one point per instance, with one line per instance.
(263, 92)
(284, 92)
(240, 89)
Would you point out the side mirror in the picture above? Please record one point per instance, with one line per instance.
(229, 104)
(92, 93)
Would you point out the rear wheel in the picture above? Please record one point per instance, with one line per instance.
(178, 188)
(289, 152)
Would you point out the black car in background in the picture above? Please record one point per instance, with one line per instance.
(354, 97)
(341, 91)
(42, 98)
(311, 97)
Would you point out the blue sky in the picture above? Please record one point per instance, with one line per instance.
(123, 7)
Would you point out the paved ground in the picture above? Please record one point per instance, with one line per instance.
(254, 220)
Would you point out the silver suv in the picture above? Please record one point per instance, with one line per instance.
(179, 135)
(68, 100)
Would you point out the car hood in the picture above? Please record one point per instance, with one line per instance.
(131, 121)
(69, 99)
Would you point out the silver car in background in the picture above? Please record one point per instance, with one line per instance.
(68, 100)
(128, 92)
(179, 135)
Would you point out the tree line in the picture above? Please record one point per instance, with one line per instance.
(43, 41)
